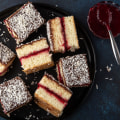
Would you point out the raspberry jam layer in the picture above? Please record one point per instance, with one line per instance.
(34, 53)
(59, 98)
(59, 74)
(108, 12)
(9, 29)
(64, 35)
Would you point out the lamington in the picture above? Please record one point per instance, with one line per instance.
(23, 22)
(73, 71)
(13, 95)
(6, 58)
(62, 34)
(51, 95)
(35, 56)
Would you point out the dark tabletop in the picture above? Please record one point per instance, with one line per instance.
(103, 103)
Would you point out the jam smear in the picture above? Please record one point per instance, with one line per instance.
(62, 100)
(64, 36)
(34, 53)
(59, 75)
(103, 15)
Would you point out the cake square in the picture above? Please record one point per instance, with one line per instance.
(35, 56)
(23, 22)
(13, 95)
(62, 34)
(6, 58)
(73, 71)
(51, 95)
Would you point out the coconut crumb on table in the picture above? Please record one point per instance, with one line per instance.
(37, 110)
(30, 104)
(36, 82)
(111, 79)
(5, 79)
(32, 83)
(109, 68)
(56, 5)
(108, 78)
(52, 14)
(97, 86)
(48, 113)
(37, 118)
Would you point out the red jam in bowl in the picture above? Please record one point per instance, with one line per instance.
(101, 14)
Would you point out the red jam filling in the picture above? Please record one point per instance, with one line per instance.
(59, 74)
(34, 53)
(59, 98)
(9, 29)
(64, 36)
(101, 14)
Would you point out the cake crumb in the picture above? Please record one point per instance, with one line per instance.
(35, 77)
(32, 83)
(56, 5)
(97, 86)
(19, 74)
(36, 82)
(33, 116)
(52, 14)
(3, 31)
(111, 79)
(81, 38)
(108, 68)
(37, 118)
(30, 104)
(11, 66)
(5, 79)
(5, 41)
(48, 113)
(28, 117)
(34, 73)
(37, 110)
(1, 34)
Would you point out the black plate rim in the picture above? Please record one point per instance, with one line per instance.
(89, 42)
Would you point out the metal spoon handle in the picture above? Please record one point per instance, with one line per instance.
(114, 47)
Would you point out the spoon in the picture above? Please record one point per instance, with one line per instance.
(105, 17)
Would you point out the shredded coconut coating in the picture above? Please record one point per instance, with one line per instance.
(5, 54)
(75, 70)
(49, 35)
(13, 94)
(25, 21)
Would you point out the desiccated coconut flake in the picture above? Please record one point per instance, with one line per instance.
(97, 86)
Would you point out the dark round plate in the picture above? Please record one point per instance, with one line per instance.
(32, 111)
